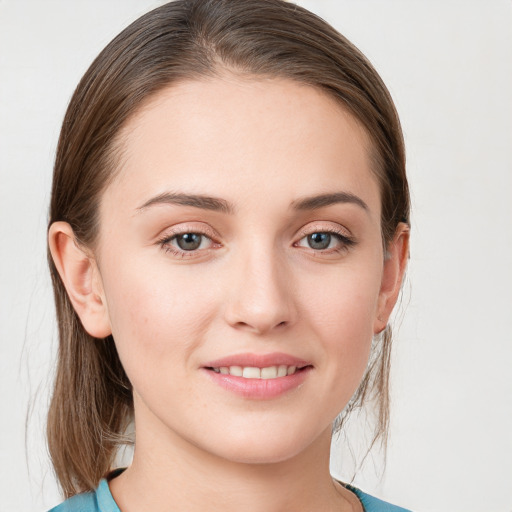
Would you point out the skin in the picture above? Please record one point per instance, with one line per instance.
(254, 285)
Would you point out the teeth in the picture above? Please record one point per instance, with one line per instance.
(237, 371)
(291, 370)
(269, 373)
(251, 372)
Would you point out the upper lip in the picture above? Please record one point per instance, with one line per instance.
(258, 360)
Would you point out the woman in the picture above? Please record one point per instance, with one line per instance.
(228, 236)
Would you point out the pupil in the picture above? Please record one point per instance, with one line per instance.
(319, 240)
(189, 241)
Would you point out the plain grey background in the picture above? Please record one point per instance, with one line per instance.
(448, 65)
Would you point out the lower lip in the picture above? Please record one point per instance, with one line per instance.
(259, 389)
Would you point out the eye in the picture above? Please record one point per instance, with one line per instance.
(319, 240)
(189, 241)
(185, 244)
(328, 241)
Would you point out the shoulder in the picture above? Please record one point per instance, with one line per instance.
(99, 500)
(85, 502)
(373, 504)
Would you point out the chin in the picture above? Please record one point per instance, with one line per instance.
(267, 446)
(251, 456)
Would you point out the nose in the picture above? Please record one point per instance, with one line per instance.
(260, 297)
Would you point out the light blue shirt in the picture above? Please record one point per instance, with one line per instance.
(101, 500)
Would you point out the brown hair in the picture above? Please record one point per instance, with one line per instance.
(182, 40)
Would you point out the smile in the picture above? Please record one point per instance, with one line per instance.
(259, 376)
(251, 372)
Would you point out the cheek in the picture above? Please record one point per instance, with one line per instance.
(346, 303)
(342, 315)
(155, 317)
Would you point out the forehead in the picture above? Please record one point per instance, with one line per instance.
(236, 134)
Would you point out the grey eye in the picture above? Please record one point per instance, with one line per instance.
(319, 240)
(189, 241)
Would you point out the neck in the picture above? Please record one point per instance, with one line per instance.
(179, 476)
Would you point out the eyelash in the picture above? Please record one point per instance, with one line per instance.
(345, 242)
(166, 240)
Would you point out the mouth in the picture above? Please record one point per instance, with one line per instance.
(254, 372)
(259, 377)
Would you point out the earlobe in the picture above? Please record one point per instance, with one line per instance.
(80, 276)
(392, 276)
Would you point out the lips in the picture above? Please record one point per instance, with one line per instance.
(253, 372)
(258, 376)
(258, 361)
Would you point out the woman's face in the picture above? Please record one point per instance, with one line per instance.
(241, 241)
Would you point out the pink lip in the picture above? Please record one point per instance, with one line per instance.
(258, 389)
(258, 360)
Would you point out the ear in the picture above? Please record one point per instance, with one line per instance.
(80, 275)
(395, 264)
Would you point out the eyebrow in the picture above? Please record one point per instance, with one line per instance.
(195, 200)
(221, 205)
(323, 200)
